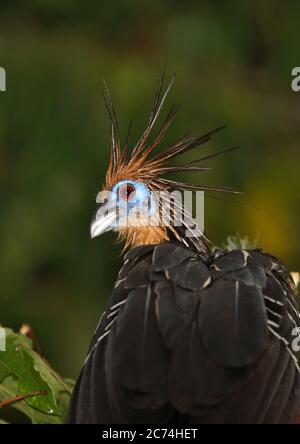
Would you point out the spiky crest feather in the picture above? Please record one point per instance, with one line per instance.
(138, 166)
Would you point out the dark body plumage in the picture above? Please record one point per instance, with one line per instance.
(192, 338)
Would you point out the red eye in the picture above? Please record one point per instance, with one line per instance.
(126, 192)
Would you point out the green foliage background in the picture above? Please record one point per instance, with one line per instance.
(234, 62)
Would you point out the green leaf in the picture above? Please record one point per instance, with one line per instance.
(24, 372)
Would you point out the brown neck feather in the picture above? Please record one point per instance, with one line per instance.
(135, 236)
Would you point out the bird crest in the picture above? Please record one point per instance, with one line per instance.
(142, 164)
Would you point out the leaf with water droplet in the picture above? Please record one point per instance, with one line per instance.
(24, 372)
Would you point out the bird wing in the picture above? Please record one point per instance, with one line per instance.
(194, 339)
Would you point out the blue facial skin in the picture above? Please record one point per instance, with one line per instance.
(142, 200)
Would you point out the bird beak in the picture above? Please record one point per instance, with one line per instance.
(104, 220)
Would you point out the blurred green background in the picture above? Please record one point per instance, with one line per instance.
(233, 61)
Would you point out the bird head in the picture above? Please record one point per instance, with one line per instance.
(133, 199)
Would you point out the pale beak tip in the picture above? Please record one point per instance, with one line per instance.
(94, 230)
(102, 223)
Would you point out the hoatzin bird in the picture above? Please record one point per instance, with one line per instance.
(190, 334)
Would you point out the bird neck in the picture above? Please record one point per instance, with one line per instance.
(136, 236)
